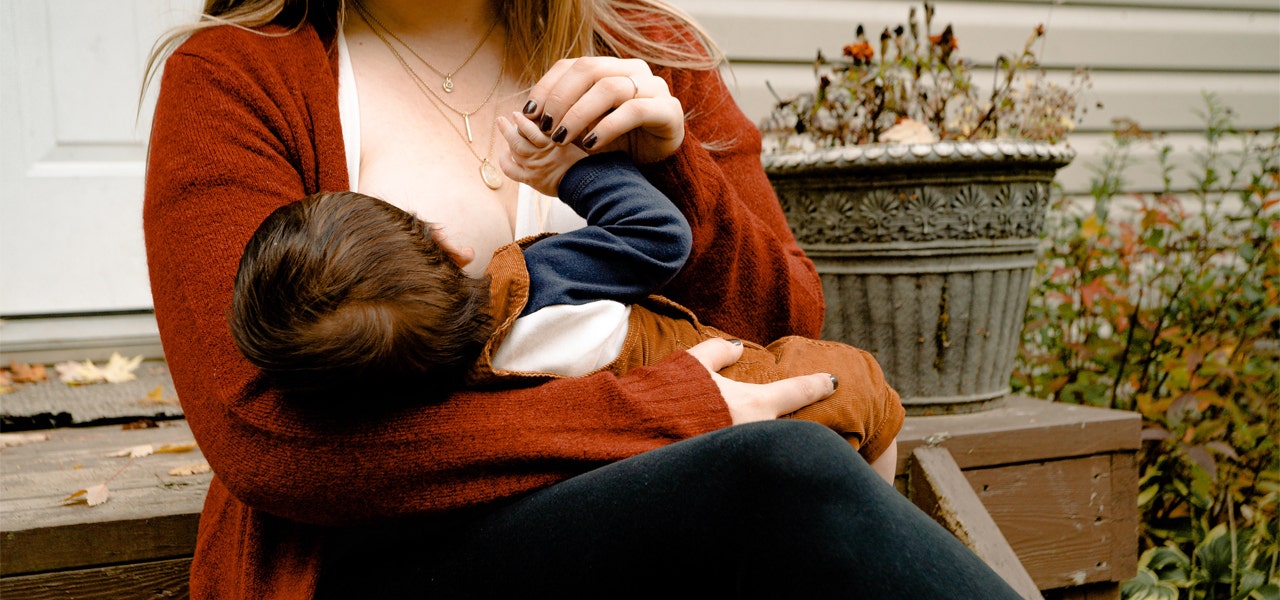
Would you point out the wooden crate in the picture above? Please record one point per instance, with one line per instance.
(1060, 481)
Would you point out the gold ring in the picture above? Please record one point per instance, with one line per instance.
(635, 94)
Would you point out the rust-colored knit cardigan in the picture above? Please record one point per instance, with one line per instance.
(246, 123)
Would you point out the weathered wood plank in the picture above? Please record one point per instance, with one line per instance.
(1058, 517)
(150, 514)
(1101, 37)
(56, 548)
(940, 489)
(145, 581)
(1124, 500)
(1023, 430)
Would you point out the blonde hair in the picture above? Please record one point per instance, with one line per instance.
(540, 32)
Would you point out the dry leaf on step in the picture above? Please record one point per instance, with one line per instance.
(134, 452)
(26, 373)
(156, 397)
(92, 495)
(18, 439)
(176, 448)
(190, 470)
(118, 369)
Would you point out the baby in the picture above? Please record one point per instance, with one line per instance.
(339, 290)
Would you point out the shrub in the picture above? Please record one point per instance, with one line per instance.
(917, 88)
(1168, 304)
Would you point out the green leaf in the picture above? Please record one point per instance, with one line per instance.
(1166, 563)
(1214, 555)
(1271, 591)
(1250, 580)
(1146, 586)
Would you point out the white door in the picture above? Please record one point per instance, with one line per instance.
(72, 152)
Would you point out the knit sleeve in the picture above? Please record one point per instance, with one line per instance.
(245, 123)
(746, 274)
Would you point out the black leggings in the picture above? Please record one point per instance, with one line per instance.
(780, 509)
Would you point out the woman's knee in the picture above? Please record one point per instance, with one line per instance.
(794, 455)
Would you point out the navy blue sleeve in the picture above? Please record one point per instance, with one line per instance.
(635, 240)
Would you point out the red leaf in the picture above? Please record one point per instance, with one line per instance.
(1222, 448)
(1202, 458)
(1155, 432)
(1090, 291)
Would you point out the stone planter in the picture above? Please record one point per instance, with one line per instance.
(926, 253)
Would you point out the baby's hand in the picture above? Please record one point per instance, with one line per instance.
(533, 158)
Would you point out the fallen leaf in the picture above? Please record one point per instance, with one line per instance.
(190, 470)
(118, 369)
(92, 495)
(27, 373)
(78, 373)
(6, 382)
(134, 452)
(140, 424)
(156, 397)
(18, 439)
(176, 448)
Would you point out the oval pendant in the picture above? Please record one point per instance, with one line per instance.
(448, 84)
(490, 174)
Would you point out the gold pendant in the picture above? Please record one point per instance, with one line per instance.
(466, 120)
(448, 84)
(490, 174)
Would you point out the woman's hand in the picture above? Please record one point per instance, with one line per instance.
(604, 103)
(750, 402)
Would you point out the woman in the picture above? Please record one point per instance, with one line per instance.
(563, 488)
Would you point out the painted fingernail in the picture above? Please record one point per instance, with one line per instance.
(736, 342)
(560, 134)
(545, 124)
(835, 382)
(529, 107)
(590, 141)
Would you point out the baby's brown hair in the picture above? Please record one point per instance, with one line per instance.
(342, 291)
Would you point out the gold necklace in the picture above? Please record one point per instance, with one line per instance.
(447, 84)
(465, 114)
(489, 174)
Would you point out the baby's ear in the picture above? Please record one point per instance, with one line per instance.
(460, 255)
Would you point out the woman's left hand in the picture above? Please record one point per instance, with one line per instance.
(605, 103)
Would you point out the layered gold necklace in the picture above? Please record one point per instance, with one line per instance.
(489, 173)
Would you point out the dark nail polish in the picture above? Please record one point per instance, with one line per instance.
(736, 342)
(835, 382)
(590, 141)
(560, 134)
(529, 107)
(545, 124)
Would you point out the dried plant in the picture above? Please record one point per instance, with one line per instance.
(915, 88)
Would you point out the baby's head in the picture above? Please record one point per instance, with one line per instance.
(342, 291)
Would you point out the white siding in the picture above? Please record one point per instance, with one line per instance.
(70, 235)
(1150, 59)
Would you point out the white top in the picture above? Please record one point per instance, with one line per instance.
(564, 339)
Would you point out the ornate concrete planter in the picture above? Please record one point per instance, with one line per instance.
(926, 253)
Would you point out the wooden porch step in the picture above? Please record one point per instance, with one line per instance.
(1059, 481)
